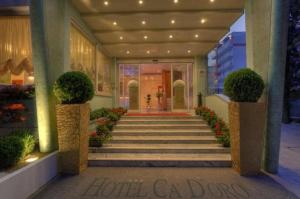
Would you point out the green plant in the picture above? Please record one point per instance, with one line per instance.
(73, 88)
(95, 140)
(112, 116)
(103, 134)
(224, 138)
(102, 112)
(244, 85)
(11, 151)
(27, 138)
(102, 130)
(110, 126)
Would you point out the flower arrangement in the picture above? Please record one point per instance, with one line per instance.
(148, 100)
(217, 124)
(106, 113)
(101, 136)
(119, 111)
(106, 119)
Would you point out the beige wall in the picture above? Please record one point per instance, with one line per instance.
(219, 104)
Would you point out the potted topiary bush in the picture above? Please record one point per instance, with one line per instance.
(73, 90)
(246, 120)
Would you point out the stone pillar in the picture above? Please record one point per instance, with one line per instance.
(276, 77)
(266, 54)
(48, 56)
(200, 78)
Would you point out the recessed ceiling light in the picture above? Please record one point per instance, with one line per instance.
(168, 51)
(148, 51)
(143, 22)
(145, 37)
(105, 3)
(141, 2)
(196, 35)
(212, 1)
(203, 21)
(170, 36)
(175, 1)
(127, 52)
(172, 21)
(121, 38)
(189, 51)
(115, 23)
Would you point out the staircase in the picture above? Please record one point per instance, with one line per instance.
(161, 141)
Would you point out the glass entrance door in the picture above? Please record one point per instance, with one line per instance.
(155, 81)
(163, 87)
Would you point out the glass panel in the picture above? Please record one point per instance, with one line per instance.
(156, 87)
(129, 86)
(180, 86)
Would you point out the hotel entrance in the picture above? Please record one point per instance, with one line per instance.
(155, 88)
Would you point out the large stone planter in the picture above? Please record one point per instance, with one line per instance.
(246, 123)
(72, 126)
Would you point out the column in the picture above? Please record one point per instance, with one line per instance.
(266, 51)
(48, 57)
(276, 77)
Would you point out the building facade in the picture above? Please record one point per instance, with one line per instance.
(228, 56)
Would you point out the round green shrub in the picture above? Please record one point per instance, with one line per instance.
(73, 88)
(11, 151)
(244, 85)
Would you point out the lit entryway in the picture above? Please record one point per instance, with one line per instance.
(161, 87)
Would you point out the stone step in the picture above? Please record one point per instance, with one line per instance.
(159, 132)
(161, 126)
(159, 117)
(164, 139)
(170, 121)
(160, 148)
(159, 160)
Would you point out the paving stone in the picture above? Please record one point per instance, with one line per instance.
(162, 183)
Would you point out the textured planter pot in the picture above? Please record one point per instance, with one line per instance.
(246, 123)
(72, 127)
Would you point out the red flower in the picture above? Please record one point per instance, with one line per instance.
(93, 134)
(15, 107)
(217, 126)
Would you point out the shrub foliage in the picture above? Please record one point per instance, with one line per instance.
(11, 151)
(15, 147)
(73, 88)
(244, 85)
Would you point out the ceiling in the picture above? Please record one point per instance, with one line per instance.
(159, 28)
